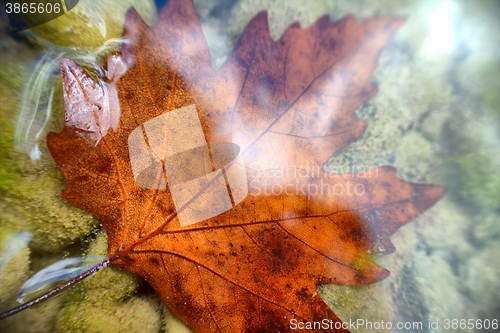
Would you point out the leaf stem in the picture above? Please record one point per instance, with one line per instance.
(57, 289)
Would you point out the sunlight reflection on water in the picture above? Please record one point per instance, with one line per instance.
(62, 270)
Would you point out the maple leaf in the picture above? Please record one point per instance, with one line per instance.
(276, 110)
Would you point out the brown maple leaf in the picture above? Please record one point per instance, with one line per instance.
(157, 152)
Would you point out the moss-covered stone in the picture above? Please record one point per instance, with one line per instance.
(112, 283)
(105, 303)
(14, 270)
(91, 23)
(14, 265)
(137, 314)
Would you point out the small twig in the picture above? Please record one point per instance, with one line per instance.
(56, 290)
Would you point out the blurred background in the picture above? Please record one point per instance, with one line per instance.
(436, 119)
